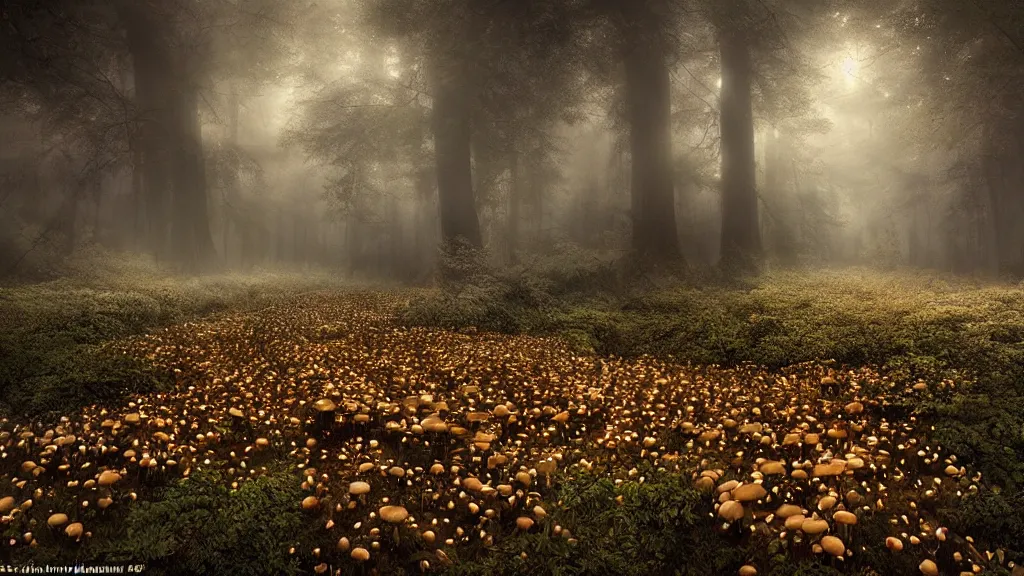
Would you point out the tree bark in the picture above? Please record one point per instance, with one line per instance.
(515, 195)
(451, 125)
(648, 103)
(741, 238)
(150, 62)
(191, 234)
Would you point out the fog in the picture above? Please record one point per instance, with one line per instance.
(361, 136)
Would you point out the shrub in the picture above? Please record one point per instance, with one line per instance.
(200, 526)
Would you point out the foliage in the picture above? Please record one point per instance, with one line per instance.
(53, 356)
(200, 526)
(658, 528)
(919, 327)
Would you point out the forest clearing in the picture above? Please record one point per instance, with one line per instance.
(512, 287)
(319, 431)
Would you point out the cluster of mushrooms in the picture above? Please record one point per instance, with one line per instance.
(436, 439)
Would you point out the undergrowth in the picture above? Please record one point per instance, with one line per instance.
(915, 326)
(52, 334)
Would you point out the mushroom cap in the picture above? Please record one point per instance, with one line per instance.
(928, 568)
(6, 504)
(830, 469)
(524, 523)
(748, 570)
(109, 478)
(74, 530)
(472, 484)
(434, 424)
(325, 405)
(394, 514)
(787, 510)
(705, 484)
(894, 544)
(795, 521)
(772, 468)
(57, 519)
(812, 526)
(358, 488)
(731, 511)
(360, 554)
(749, 492)
(235, 412)
(844, 517)
(310, 502)
(833, 545)
(728, 486)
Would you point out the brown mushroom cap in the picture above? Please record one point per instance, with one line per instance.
(7, 504)
(833, 545)
(57, 520)
(844, 517)
(811, 526)
(830, 469)
(434, 424)
(731, 511)
(310, 502)
(795, 521)
(928, 568)
(787, 510)
(109, 478)
(748, 570)
(524, 523)
(358, 488)
(325, 405)
(74, 530)
(894, 544)
(394, 514)
(749, 492)
(360, 554)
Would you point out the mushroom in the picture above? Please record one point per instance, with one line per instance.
(833, 545)
(57, 520)
(731, 511)
(74, 530)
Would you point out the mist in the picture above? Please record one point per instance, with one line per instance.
(360, 136)
(512, 287)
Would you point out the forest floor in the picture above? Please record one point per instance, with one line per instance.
(815, 423)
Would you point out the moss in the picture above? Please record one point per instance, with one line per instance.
(53, 335)
(201, 526)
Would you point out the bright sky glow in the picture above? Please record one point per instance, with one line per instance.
(849, 67)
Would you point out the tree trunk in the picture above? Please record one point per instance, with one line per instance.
(648, 105)
(426, 222)
(150, 63)
(515, 195)
(451, 124)
(741, 241)
(191, 226)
